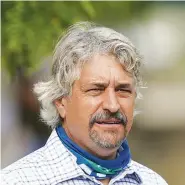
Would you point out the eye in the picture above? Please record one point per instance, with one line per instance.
(124, 92)
(95, 91)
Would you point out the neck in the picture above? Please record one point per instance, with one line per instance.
(105, 181)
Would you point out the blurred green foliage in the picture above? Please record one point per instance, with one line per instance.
(30, 29)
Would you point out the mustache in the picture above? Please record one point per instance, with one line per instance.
(108, 115)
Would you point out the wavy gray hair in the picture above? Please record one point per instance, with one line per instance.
(74, 49)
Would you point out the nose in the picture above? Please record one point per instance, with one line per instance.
(110, 101)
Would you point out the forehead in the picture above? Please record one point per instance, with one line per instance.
(104, 68)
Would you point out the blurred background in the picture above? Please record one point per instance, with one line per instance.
(30, 31)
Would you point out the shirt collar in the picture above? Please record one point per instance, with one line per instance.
(130, 172)
(63, 164)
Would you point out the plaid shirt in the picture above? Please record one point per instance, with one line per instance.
(53, 164)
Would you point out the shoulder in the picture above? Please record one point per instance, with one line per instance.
(147, 175)
(16, 172)
(38, 167)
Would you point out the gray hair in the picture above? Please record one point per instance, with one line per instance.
(77, 46)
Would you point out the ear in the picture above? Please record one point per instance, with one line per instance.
(61, 106)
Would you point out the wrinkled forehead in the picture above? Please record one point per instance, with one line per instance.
(105, 68)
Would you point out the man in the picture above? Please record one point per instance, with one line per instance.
(89, 102)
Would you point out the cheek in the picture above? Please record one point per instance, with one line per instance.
(127, 107)
(91, 104)
(82, 109)
(130, 113)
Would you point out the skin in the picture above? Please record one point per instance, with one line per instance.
(103, 86)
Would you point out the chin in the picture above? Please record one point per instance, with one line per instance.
(107, 140)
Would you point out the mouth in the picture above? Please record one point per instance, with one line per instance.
(109, 122)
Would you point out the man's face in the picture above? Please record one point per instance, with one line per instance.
(99, 113)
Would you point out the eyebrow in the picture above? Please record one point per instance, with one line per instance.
(124, 86)
(99, 84)
(104, 85)
(95, 84)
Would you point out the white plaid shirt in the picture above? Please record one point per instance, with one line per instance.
(53, 164)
